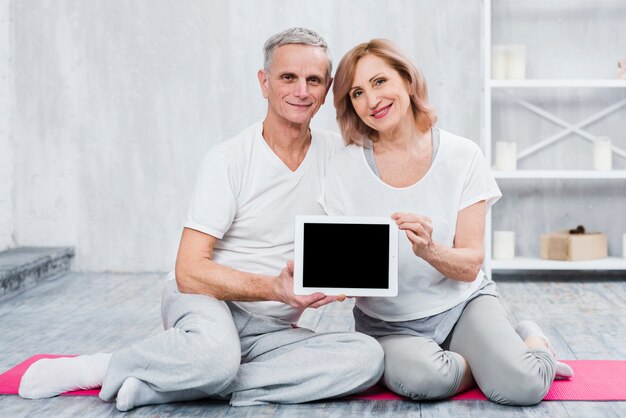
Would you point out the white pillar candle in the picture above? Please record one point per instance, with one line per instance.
(506, 155)
(516, 63)
(624, 245)
(503, 245)
(499, 62)
(602, 154)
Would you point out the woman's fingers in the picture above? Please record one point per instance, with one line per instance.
(409, 220)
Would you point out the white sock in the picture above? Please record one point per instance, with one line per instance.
(135, 392)
(51, 377)
(563, 371)
(527, 329)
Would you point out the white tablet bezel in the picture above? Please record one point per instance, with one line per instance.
(298, 286)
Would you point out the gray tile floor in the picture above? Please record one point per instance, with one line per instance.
(83, 313)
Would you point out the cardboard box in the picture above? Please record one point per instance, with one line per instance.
(562, 245)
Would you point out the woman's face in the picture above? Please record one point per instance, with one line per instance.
(380, 96)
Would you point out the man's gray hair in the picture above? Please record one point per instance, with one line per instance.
(298, 36)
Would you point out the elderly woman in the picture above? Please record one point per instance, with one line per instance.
(446, 330)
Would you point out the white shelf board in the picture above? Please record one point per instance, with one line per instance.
(519, 263)
(560, 174)
(600, 83)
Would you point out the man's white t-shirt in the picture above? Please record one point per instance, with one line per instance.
(458, 177)
(248, 198)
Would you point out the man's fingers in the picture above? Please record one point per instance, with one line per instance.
(317, 299)
(325, 301)
(308, 300)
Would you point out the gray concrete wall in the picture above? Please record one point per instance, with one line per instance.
(117, 101)
(6, 123)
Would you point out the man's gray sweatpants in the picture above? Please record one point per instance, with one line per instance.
(218, 349)
(504, 368)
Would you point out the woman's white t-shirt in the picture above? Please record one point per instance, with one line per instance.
(458, 177)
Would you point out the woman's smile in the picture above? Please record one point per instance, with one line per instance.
(382, 112)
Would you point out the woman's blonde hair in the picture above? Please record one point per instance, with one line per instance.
(353, 129)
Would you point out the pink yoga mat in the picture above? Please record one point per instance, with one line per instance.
(594, 380)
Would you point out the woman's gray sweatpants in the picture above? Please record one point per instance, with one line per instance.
(215, 348)
(504, 368)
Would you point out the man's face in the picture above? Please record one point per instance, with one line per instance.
(296, 85)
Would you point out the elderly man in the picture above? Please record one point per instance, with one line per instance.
(229, 309)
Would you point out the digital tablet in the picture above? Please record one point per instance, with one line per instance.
(350, 255)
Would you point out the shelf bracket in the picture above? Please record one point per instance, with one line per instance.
(569, 128)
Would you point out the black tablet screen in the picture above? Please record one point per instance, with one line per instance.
(346, 255)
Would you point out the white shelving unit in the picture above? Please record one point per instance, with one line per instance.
(521, 263)
(560, 174)
(508, 88)
(557, 83)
